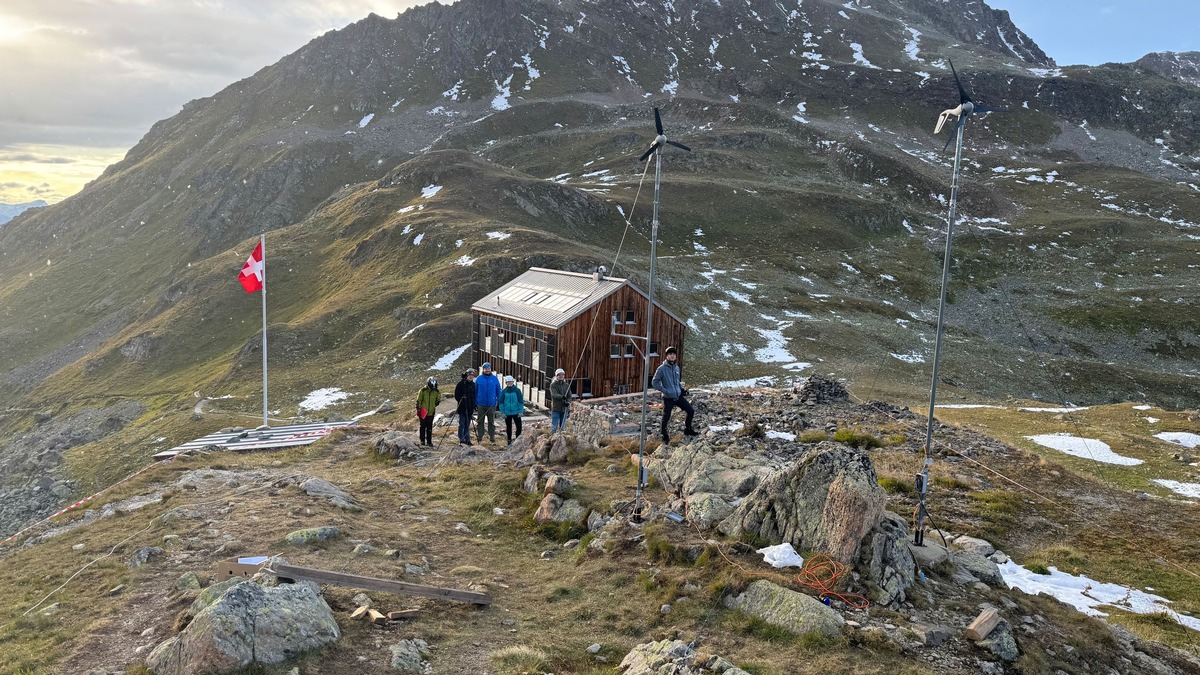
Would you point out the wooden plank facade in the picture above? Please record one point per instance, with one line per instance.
(589, 344)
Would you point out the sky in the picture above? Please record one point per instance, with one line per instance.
(83, 80)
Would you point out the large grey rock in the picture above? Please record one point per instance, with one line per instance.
(979, 567)
(1001, 643)
(559, 485)
(929, 555)
(786, 609)
(701, 468)
(975, 545)
(707, 509)
(396, 444)
(674, 657)
(555, 509)
(886, 562)
(409, 656)
(311, 534)
(143, 555)
(826, 502)
(323, 489)
(248, 624)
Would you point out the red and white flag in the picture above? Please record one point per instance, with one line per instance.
(251, 275)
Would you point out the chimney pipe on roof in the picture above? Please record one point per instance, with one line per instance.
(598, 275)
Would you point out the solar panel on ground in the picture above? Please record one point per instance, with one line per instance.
(254, 439)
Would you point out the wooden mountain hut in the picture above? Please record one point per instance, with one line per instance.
(548, 319)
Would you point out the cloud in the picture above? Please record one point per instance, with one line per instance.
(37, 159)
(87, 74)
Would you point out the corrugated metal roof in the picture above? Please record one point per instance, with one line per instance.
(550, 298)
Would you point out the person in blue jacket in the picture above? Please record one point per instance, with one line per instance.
(487, 397)
(667, 380)
(512, 404)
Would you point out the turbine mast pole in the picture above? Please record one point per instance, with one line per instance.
(923, 477)
(637, 504)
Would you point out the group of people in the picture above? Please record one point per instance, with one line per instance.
(480, 396)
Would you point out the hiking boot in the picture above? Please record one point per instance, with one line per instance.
(690, 432)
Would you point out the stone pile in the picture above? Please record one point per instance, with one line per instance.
(817, 390)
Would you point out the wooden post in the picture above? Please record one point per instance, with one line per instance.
(983, 625)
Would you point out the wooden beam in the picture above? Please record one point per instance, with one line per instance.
(376, 617)
(983, 625)
(359, 613)
(404, 614)
(284, 571)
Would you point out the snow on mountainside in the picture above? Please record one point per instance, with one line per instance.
(1182, 66)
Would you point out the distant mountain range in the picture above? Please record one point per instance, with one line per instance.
(10, 211)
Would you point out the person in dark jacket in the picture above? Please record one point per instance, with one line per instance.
(560, 401)
(464, 394)
(487, 397)
(512, 404)
(427, 402)
(667, 380)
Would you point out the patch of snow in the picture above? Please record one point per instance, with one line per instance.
(366, 120)
(448, 360)
(323, 398)
(1087, 595)
(430, 190)
(1184, 438)
(736, 426)
(465, 261)
(909, 358)
(1142, 407)
(503, 92)
(859, 58)
(1151, 420)
(776, 349)
(498, 235)
(1053, 410)
(912, 47)
(969, 405)
(1086, 448)
(1185, 489)
(417, 239)
(781, 435)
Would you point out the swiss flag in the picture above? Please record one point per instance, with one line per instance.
(251, 275)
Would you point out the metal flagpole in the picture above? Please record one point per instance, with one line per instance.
(923, 477)
(262, 242)
(637, 505)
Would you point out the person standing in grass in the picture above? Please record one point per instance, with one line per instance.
(427, 402)
(560, 401)
(667, 380)
(487, 397)
(512, 404)
(464, 393)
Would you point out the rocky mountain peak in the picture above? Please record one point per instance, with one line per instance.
(1181, 66)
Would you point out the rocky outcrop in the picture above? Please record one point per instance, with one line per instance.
(704, 468)
(674, 657)
(323, 489)
(1181, 66)
(248, 624)
(398, 445)
(555, 509)
(408, 656)
(979, 567)
(309, 535)
(886, 562)
(778, 606)
(826, 502)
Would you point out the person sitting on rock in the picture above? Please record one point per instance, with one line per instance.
(427, 402)
(512, 404)
(667, 380)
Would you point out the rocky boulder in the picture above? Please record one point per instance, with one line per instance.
(886, 561)
(826, 502)
(248, 624)
(778, 606)
(312, 534)
(707, 509)
(702, 468)
(323, 489)
(408, 656)
(396, 444)
(979, 567)
(555, 509)
(981, 546)
(674, 657)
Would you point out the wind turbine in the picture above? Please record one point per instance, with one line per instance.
(966, 107)
(656, 148)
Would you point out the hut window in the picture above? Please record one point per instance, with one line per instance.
(629, 350)
(617, 317)
(653, 349)
(629, 316)
(614, 351)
